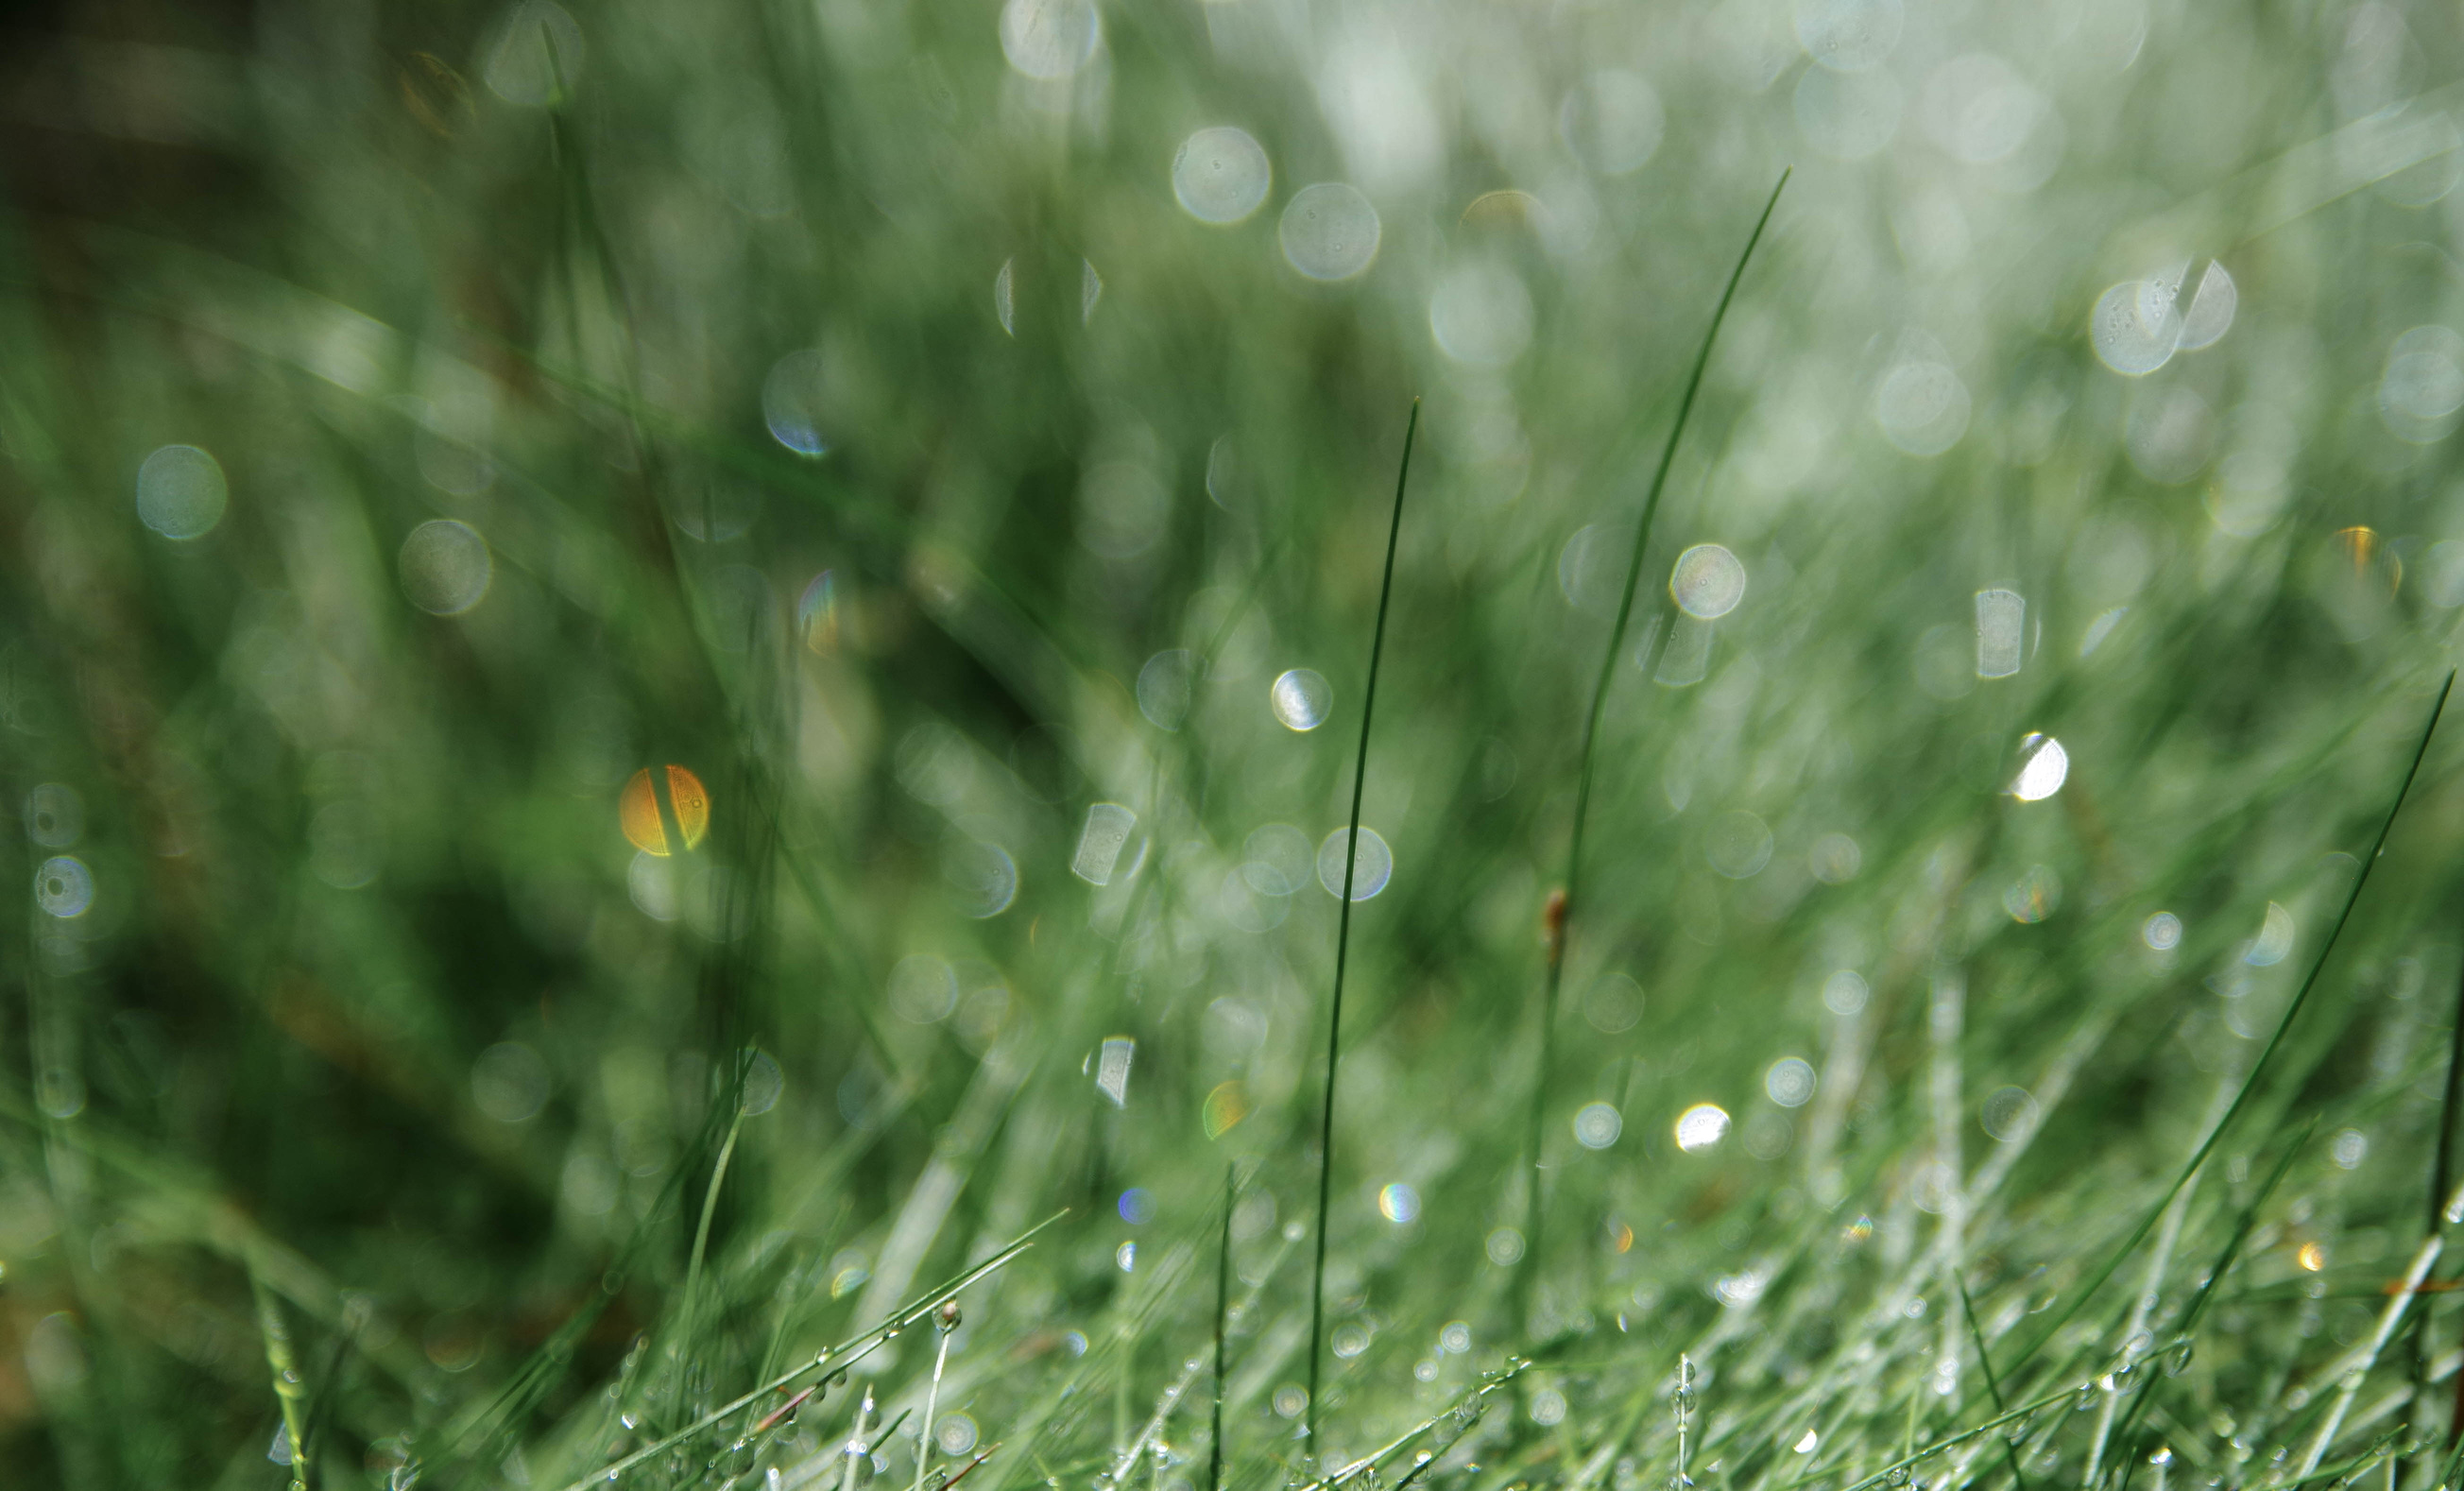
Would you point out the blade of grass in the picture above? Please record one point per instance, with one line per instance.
(288, 1389)
(1343, 933)
(1993, 1384)
(1562, 906)
(1223, 1302)
(2258, 1068)
(709, 1203)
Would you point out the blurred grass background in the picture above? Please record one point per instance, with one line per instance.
(958, 435)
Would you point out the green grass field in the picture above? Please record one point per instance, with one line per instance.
(679, 681)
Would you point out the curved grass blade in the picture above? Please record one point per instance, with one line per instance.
(2258, 1068)
(1342, 931)
(1562, 906)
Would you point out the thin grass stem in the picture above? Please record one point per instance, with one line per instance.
(1223, 1306)
(1562, 906)
(1343, 935)
(948, 1323)
(1993, 1384)
(289, 1391)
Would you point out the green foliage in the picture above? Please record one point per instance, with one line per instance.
(672, 670)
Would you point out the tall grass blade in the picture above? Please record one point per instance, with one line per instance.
(2258, 1068)
(1563, 906)
(1223, 1304)
(1343, 933)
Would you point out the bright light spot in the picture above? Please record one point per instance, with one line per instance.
(1805, 1446)
(1790, 1082)
(1701, 1126)
(1455, 1338)
(64, 888)
(1740, 1289)
(1598, 1126)
(2348, 1148)
(637, 811)
(1101, 841)
(2312, 1256)
(1137, 1207)
(1126, 1256)
(1373, 863)
(2135, 327)
(1221, 175)
(2211, 310)
(1548, 1407)
(2275, 940)
(1299, 699)
(2162, 932)
(1845, 992)
(2041, 775)
(1112, 1068)
(1049, 39)
(1708, 581)
(1398, 1203)
(1504, 1247)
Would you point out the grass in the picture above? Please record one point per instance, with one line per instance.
(1347, 897)
(849, 407)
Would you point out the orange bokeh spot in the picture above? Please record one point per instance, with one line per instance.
(638, 810)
